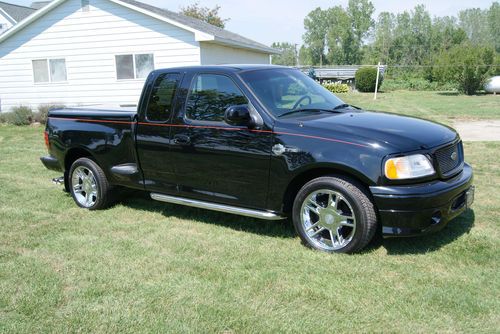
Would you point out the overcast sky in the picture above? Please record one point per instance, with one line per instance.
(268, 21)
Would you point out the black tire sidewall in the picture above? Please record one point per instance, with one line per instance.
(332, 183)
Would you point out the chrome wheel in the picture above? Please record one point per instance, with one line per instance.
(84, 186)
(328, 219)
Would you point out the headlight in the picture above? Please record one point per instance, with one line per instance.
(409, 167)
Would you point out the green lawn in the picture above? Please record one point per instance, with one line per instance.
(144, 266)
(439, 106)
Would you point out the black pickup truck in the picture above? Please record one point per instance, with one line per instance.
(266, 142)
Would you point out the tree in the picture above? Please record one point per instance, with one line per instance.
(465, 65)
(360, 13)
(338, 32)
(288, 56)
(384, 35)
(494, 24)
(474, 21)
(205, 14)
(316, 26)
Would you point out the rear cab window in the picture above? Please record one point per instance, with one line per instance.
(161, 99)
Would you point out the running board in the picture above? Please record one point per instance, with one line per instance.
(268, 215)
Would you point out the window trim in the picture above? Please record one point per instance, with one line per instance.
(50, 82)
(133, 54)
(175, 99)
(191, 84)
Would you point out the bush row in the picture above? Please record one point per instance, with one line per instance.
(420, 84)
(336, 87)
(24, 115)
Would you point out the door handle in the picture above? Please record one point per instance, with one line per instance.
(182, 140)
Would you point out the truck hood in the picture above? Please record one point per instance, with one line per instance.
(400, 133)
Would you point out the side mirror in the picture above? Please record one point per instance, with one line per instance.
(238, 115)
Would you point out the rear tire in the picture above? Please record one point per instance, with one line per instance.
(88, 185)
(334, 214)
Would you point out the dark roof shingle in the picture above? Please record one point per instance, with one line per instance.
(17, 12)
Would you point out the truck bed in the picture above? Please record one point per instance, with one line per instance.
(106, 131)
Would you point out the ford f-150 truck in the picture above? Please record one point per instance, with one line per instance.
(266, 142)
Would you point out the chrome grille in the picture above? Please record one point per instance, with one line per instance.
(449, 158)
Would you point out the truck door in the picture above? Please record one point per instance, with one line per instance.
(153, 133)
(213, 160)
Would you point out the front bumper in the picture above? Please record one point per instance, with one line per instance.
(51, 163)
(423, 208)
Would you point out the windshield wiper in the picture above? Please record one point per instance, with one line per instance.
(301, 110)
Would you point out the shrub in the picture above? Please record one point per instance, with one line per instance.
(43, 111)
(418, 84)
(465, 65)
(21, 115)
(336, 87)
(365, 79)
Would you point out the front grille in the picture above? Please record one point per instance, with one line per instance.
(449, 158)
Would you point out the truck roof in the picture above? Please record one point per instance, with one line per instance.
(224, 68)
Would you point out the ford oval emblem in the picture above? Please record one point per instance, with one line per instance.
(454, 156)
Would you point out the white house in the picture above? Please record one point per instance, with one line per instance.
(80, 52)
(10, 14)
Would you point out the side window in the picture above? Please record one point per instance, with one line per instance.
(161, 98)
(210, 96)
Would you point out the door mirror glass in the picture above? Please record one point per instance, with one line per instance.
(238, 115)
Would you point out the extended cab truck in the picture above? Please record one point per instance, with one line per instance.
(266, 142)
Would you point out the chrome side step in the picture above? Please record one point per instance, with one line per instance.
(268, 215)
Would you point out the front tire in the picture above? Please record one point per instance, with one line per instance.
(334, 214)
(88, 185)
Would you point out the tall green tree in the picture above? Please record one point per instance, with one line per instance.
(494, 24)
(383, 39)
(316, 26)
(335, 35)
(360, 13)
(209, 15)
(288, 56)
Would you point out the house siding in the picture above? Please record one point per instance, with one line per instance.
(89, 42)
(215, 54)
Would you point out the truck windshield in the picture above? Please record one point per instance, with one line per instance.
(283, 90)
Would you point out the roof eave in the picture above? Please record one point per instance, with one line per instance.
(29, 19)
(235, 44)
(7, 16)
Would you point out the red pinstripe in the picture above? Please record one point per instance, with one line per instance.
(211, 127)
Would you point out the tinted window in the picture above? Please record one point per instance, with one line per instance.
(161, 98)
(210, 96)
(282, 90)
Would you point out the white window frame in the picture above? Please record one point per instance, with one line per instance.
(50, 82)
(134, 66)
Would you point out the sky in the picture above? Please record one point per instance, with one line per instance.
(268, 21)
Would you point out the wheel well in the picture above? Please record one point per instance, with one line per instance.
(72, 155)
(297, 183)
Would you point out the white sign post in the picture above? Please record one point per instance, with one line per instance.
(376, 82)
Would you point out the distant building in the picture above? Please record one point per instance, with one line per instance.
(100, 51)
(10, 14)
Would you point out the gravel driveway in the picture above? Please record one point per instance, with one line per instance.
(479, 130)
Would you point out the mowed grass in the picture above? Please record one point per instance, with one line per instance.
(444, 107)
(144, 266)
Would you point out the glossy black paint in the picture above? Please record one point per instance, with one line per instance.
(258, 163)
